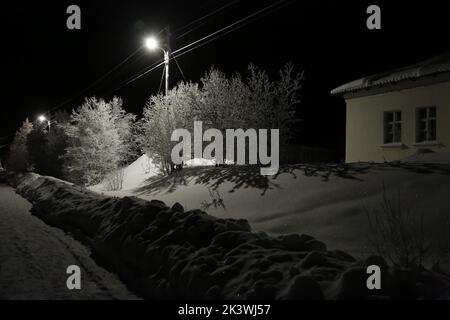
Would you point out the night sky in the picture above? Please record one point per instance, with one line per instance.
(47, 65)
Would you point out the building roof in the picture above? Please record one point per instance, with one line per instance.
(434, 66)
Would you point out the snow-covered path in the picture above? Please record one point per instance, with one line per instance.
(34, 258)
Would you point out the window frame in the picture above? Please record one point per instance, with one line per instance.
(427, 120)
(396, 137)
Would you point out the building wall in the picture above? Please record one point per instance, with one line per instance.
(365, 122)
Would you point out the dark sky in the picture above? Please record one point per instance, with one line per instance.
(47, 64)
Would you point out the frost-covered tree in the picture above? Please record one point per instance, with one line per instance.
(95, 144)
(164, 114)
(18, 157)
(128, 132)
(222, 103)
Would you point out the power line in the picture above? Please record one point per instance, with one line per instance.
(104, 76)
(179, 68)
(59, 106)
(230, 26)
(248, 19)
(234, 29)
(134, 78)
(205, 17)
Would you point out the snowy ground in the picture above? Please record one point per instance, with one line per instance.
(169, 253)
(34, 258)
(325, 203)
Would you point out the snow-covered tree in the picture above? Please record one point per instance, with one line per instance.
(18, 157)
(164, 114)
(221, 103)
(127, 129)
(95, 144)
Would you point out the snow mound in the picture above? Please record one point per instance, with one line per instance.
(167, 253)
(134, 175)
(429, 157)
(144, 168)
(139, 171)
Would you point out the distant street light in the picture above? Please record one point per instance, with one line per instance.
(152, 44)
(43, 119)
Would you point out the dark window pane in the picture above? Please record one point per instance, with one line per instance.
(422, 125)
(389, 116)
(398, 132)
(390, 128)
(432, 128)
(432, 112)
(422, 136)
(422, 113)
(389, 138)
(398, 116)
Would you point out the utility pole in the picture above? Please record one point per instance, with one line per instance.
(153, 44)
(166, 63)
(167, 58)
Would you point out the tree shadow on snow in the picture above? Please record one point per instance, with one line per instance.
(243, 177)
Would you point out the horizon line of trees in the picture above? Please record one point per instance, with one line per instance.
(100, 137)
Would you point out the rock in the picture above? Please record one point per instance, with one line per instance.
(177, 207)
(304, 288)
(315, 245)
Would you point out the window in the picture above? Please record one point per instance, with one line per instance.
(426, 124)
(392, 127)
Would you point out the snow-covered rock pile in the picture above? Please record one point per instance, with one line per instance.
(166, 253)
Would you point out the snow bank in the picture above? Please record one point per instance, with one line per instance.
(139, 172)
(429, 157)
(167, 253)
(135, 174)
(325, 201)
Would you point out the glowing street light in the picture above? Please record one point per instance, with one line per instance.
(152, 44)
(43, 119)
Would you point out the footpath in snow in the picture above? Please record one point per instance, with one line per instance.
(34, 258)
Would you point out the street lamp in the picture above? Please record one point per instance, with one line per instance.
(152, 44)
(43, 119)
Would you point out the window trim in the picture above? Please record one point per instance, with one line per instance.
(394, 143)
(428, 141)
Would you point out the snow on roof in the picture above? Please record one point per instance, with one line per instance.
(433, 66)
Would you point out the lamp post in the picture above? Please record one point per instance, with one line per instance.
(152, 44)
(43, 119)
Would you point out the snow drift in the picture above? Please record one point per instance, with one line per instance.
(326, 201)
(167, 253)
